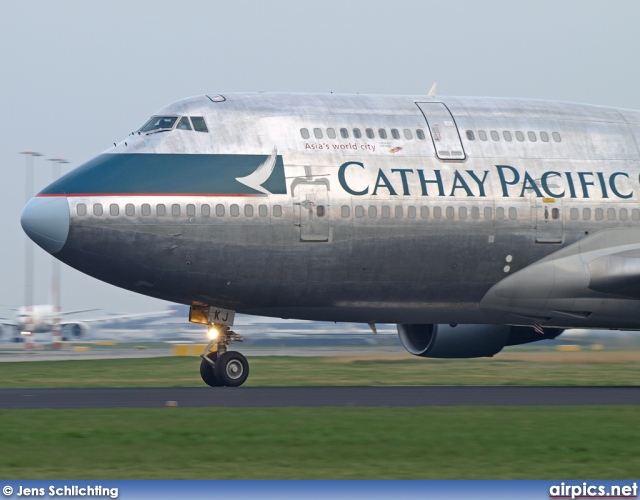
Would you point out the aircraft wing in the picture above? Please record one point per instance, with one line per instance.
(64, 313)
(119, 316)
(574, 283)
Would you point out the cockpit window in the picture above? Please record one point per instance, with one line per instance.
(159, 123)
(198, 124)
(184, 124)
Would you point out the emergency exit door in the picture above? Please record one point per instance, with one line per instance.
(444, 131)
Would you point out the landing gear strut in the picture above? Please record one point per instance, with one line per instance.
(220, 367)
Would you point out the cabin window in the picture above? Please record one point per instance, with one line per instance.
(263, 211)
(145, 209)
(234, 210)
(462, 213)
(205, 210)
(191, 210)
(129, 209)
(470, 135)
(345, 211)
(532, 136)
(420, 134)
(331, 133)
(175, 209)
(359, 211)
(344, 133)
(437, 212)
(317, 133)
(382, 133)
(248, 210)
(424, 212)
(482, 135)
(407, 134)
(277, 210)
(373, 212)
(555, 213)
(635, 214)
(507, 135)
(488, 213)
(475, 213)
(513, 213)
(599, 214)
(304, 133)
(369, 133)
(184, 124)
(198, 124)
(395, 134)
(386, 212)
(321, 210)
(574, 214)
(356, 133)
(81, 209)
(586, 214)
(519, 136)
(411, 212)
(161, 210)
(97, 209)
(544, 137)
(159, 123)
(495, 136)
(611, 214)
(220, 210)
(399, 212)
(449, 212)
(556, 136)
(114, 209)
(499, 213)
(624, 214)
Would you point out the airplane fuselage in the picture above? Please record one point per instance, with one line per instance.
(376, 209)
(37, 318)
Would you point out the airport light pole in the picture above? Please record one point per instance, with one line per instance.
(28, 248)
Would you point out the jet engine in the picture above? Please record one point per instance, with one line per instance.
(467, 341)
(9, 333)
(75, 331)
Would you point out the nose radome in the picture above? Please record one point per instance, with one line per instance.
(46, 222)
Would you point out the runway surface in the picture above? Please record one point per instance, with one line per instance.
(388, 396)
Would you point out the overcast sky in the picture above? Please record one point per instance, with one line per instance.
(78, 76)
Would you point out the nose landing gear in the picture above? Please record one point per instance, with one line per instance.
(220, 367)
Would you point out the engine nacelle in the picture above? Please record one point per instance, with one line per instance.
(467, 341)
(9, 333)
(75, 331)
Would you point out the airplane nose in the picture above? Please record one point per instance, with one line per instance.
(46, 222)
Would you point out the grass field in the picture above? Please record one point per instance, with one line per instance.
(327, 443)
(322, 443)
(511, 368)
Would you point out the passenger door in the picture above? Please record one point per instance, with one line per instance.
(312, 211)
(548, 219)
(444, 131)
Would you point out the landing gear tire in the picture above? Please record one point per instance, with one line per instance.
(232, 369)
(208, 373)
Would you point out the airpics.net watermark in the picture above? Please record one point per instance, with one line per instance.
(587, 490)
(52, 491)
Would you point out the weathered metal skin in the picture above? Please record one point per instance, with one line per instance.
(406, 233)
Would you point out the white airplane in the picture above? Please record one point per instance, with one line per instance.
(46, 319)
(470, 223)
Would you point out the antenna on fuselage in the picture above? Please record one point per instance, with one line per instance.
(432, 92)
